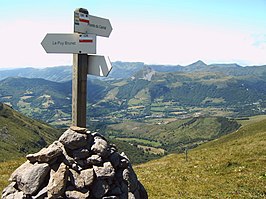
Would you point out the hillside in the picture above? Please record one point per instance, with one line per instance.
(20, 135)
(232, 166)
(173, 136)
(147, 93)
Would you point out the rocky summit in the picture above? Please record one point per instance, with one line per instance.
(81, 164)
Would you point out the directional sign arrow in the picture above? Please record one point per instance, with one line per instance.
(70, 43)
(99, 65)
(95, 25)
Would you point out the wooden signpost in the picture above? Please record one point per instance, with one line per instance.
(82, 44)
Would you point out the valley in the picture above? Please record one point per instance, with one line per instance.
(232, 166)
(158, 109)
(143, 92)
(215, 112)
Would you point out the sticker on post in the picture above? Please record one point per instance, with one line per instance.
(85, 38)
(84, 18)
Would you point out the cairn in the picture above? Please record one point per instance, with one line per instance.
(79, 165)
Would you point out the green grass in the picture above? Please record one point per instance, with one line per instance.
(251, 120)
(176, 135)
(20, 135)
(141, 141)
(230, 167)
(6, 169)
(152, 150)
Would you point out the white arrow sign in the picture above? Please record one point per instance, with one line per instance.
(99, 65)
(70, 43)
(92, 25)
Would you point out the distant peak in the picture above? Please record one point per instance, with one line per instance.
(197, 65)
(199, 62)
(145, 73)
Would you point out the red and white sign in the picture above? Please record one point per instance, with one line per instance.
(88, 24)
(84, 18)
(85, 39)
(70, 43)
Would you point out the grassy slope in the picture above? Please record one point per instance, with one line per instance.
(178, 134)
(6, 168)
(20, 135)
(230, 167)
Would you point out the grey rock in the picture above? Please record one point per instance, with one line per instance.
(131, 178)
(136, 195)
(88, 176)
(100, 188)
(113, 148)
(57, 182)
(83, 179)
(13, 177)
(142, 192)
(123, 196)
(30, 177)
(69, 161)
(12, 193)
(131, 196)
(73, 140)
(124, 163)
(104, 172)
(76, 167)
(124, 155)
(81, 153)
(46, 154)
(100, 147)
(124, 187)
(115, 159)
(74, 194)
(78, 129)
(41, 194)
(115, 191)
(81, 165)
(9, 190)
(119, 175)
(97, 134)
(94, 160)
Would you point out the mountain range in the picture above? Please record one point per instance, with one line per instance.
(145, 91)
(144, 109)
(122, 70)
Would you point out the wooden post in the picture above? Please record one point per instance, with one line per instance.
(79, 89)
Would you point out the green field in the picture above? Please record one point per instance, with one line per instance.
(173, 135)
(141, 141)
(230, 167)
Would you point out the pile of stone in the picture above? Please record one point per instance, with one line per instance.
(79, 165)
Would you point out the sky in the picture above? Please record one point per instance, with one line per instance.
(169, 32)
